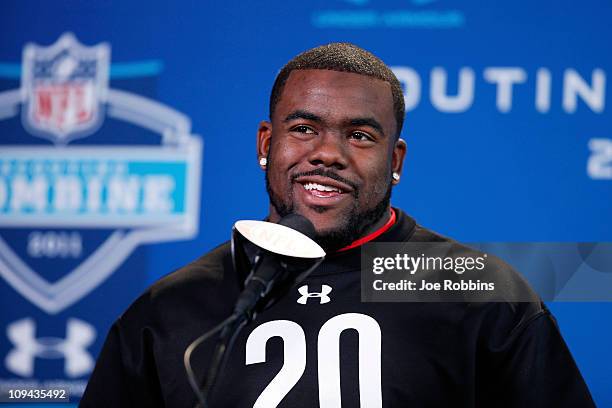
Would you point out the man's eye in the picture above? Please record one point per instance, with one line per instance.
(303, 129)
(360, 136)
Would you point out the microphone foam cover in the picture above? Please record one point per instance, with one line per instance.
(300, 224)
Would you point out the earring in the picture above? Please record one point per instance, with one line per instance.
(263, 162)
(395, 176)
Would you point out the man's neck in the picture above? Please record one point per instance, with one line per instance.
(378, 224)
(374, 232)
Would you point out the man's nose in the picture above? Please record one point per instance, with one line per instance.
(329, 151)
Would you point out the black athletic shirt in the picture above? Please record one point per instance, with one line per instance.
(324, 348)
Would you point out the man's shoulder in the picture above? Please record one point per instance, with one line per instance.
(422, 234)
(197, 284)
(512, 291)
(208, 269)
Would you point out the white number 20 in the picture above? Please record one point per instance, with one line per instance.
(328, 346)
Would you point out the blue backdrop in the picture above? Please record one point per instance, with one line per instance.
(509, 139)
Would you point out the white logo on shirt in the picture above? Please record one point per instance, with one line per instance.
(323, 295)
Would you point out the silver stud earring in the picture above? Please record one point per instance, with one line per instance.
(263, 162)
(396, 176)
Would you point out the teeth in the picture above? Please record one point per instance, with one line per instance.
(320, 187)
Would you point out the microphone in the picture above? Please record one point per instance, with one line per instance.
(282, 246)
(285, 254)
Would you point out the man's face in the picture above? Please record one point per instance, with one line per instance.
(331, 151)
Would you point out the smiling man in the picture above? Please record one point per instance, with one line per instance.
(332, 146)
(331, 152)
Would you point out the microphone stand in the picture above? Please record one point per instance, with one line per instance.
(244, 312)
(220, 350)
(271, 275)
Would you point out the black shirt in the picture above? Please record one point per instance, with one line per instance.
(321, 346)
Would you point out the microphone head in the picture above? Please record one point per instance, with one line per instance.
(292, 236)
(299, 223)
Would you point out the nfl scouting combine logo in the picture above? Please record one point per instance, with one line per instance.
(77, 197)
(145, 193)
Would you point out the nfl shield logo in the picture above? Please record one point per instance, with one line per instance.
(63, 88)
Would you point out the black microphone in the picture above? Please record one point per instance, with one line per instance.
(284, 257)
(268, 270)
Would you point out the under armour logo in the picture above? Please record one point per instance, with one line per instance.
(79, 336)
(323, 295)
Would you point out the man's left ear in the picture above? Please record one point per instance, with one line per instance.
(397, 160)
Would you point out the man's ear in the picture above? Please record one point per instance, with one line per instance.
(264, 137)
(397, 159)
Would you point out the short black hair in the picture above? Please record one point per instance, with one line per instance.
(343, 57)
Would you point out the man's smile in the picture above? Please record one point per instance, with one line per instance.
(321, 191)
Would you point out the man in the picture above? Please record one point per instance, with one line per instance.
(332, 153)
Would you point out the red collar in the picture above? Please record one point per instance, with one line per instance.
(373, 235)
